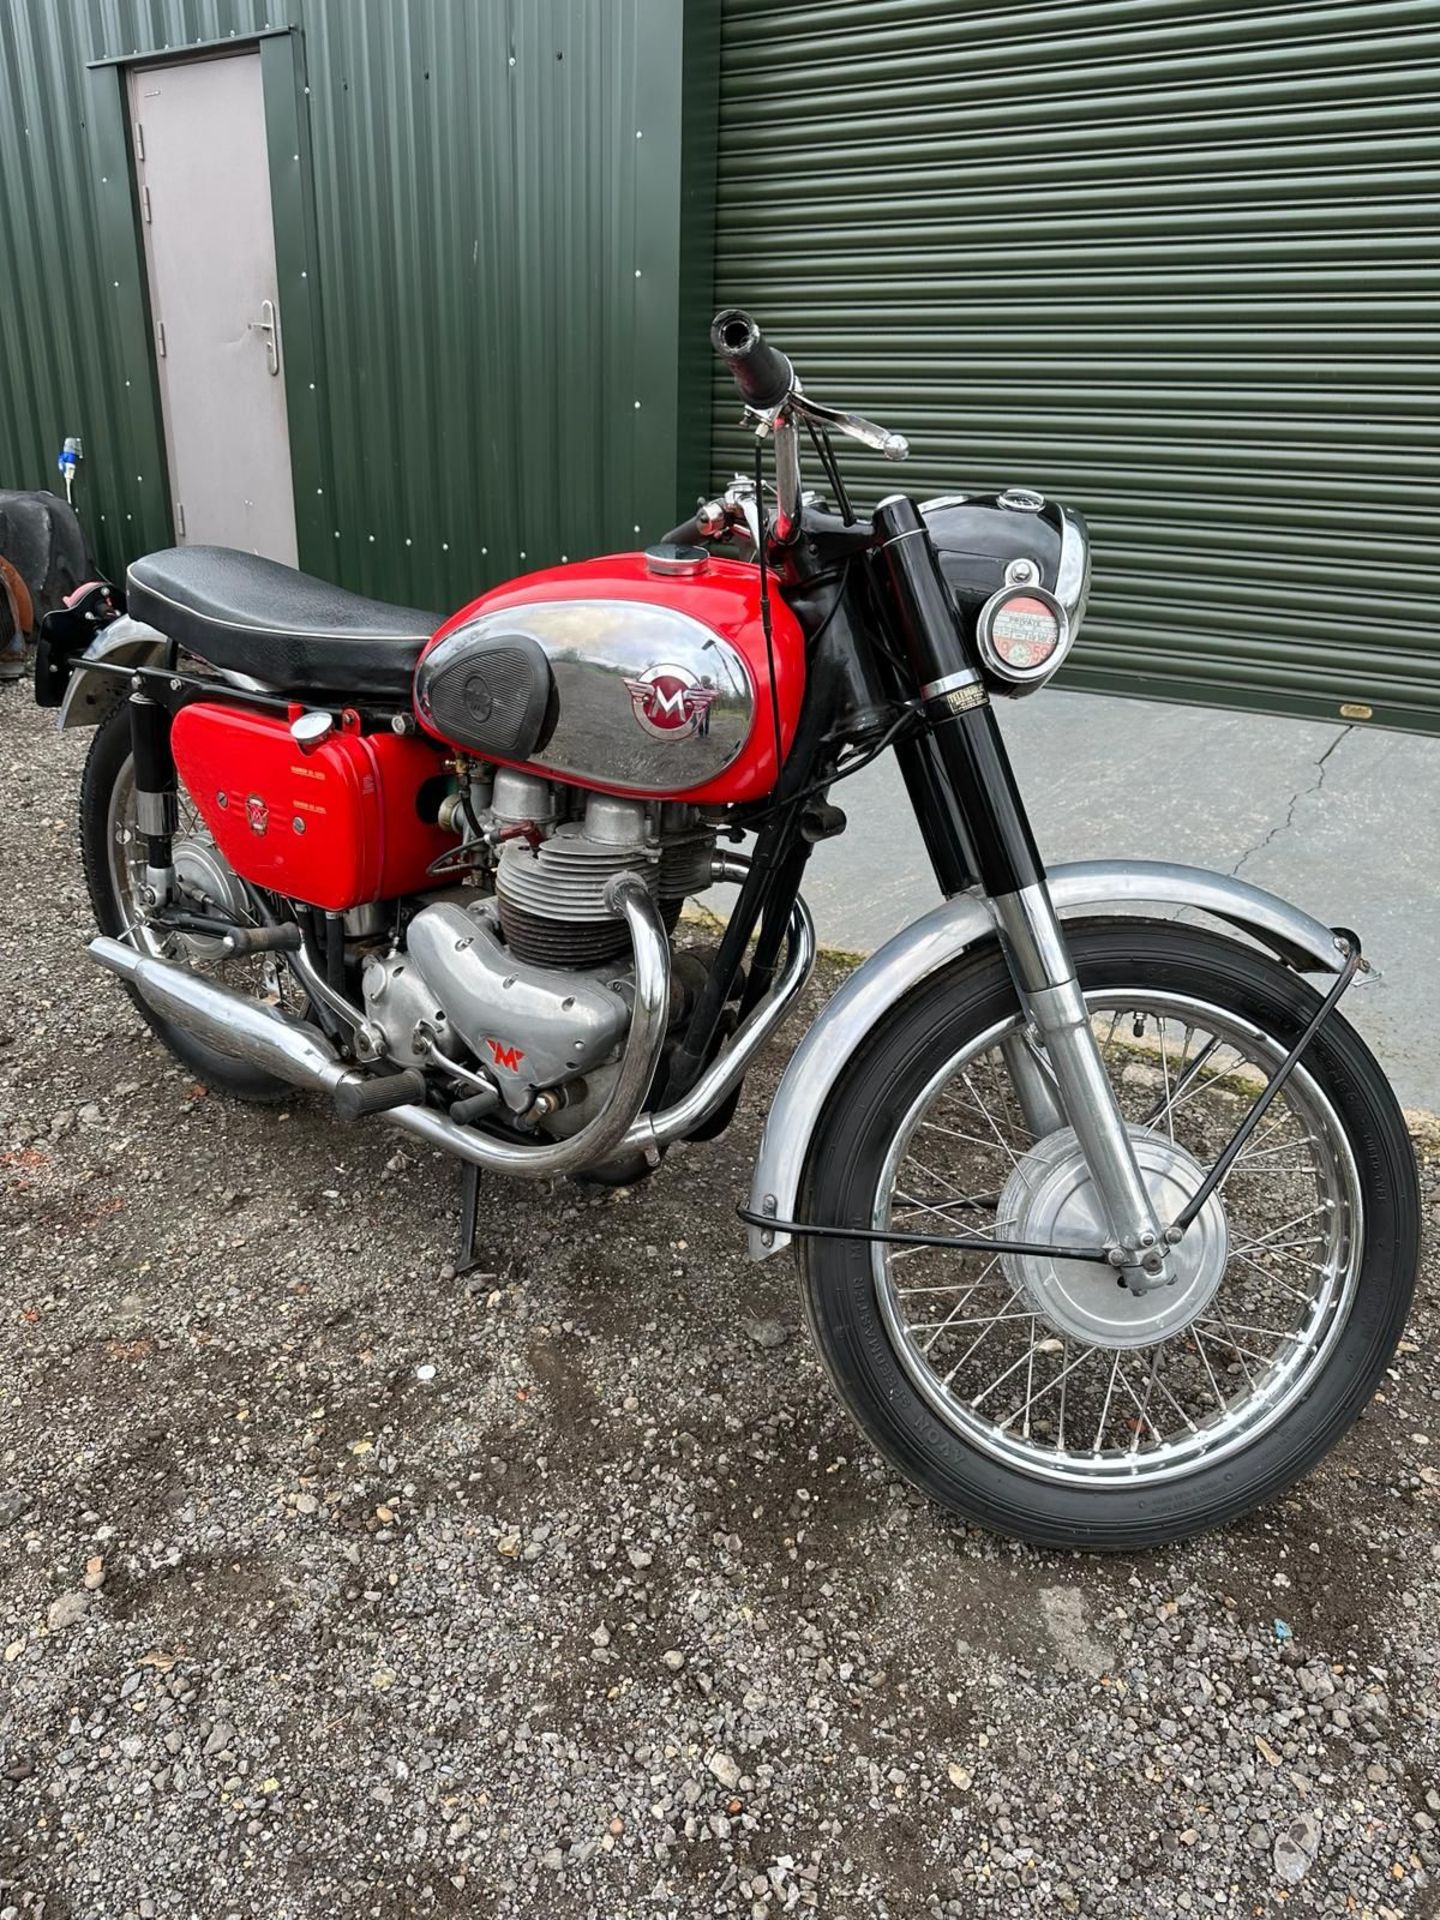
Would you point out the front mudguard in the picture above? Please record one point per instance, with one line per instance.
(1086, 887)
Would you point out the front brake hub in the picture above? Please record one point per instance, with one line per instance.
(1050, 1199)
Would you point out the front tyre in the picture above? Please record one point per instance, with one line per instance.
(1039, 1398)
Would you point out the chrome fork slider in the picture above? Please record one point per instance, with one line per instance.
(1039, 961)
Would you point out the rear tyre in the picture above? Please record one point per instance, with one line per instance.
(1029, 1396)
(112, 857)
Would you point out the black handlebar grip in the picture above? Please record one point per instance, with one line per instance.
(762, 373)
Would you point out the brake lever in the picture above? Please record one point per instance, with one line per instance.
(893, 446)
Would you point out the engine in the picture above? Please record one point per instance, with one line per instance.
(525, 985)
(551, 888)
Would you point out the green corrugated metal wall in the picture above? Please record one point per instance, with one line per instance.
(481, 207)
(1172, 261)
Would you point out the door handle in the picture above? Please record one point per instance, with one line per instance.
(266, 325)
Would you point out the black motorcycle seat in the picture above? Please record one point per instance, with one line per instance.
(285, 628)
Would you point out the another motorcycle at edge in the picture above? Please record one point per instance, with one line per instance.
(1107, 1222)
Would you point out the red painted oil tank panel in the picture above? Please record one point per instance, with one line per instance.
(335, 827)
(723, 598)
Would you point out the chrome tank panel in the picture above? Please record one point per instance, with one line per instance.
(646, 698)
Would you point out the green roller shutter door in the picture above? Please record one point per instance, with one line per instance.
(1173, 263)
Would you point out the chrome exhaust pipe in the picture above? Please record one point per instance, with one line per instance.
(607, 1132)
(647, 1132)
(727, 1068)
(245, 1029)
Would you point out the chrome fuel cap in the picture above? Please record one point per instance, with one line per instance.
(668, 557)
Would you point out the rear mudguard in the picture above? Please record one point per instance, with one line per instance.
(89, 697)
(1085, 888)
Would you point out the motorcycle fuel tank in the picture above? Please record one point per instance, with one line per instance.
(351, 820)
(642, 674)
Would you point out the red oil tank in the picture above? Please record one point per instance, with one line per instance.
(353, 820)
(641, 674)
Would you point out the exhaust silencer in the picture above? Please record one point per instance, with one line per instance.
(245, 1029)
(299, 1053)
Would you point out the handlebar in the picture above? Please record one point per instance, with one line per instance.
(772, 393)
(763, 374)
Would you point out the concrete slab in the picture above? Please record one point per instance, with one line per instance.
(1339, 819)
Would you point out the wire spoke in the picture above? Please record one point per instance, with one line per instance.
(979, 1320)
(1105, 1405)
(1199, 1345)
(970, 1139)
(1001, 1378)
(981, 1337)
(994, 1335)
(1265, 1359)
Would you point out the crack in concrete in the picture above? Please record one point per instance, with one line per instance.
(1301, 793)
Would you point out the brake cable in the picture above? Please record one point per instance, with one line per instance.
(1233, 1147)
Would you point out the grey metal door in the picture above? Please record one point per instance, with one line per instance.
(203, 178)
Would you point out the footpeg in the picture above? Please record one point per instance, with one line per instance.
(286, 938)
(358, 1095)
(475, 1106)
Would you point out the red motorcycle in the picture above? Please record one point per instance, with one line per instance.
(1107, 1224)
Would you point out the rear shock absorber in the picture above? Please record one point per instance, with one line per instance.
(156, 812)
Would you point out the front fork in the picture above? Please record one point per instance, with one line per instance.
(982, 832)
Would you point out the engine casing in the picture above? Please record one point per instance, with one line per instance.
(612, 675)
(527, 1026)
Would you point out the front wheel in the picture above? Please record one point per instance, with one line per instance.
(1040, 1397)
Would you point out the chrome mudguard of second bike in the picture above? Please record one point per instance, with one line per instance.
(1086, 887)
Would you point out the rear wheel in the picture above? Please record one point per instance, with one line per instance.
(114, 869)
(1039, 1396)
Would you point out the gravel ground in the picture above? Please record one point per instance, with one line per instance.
(333, 1584)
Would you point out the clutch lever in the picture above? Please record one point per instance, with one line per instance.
(893, 446)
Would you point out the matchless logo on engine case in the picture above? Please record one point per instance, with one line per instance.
(504, 1056)
(671, 703)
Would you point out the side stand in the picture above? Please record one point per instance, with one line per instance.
(466, 1259)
